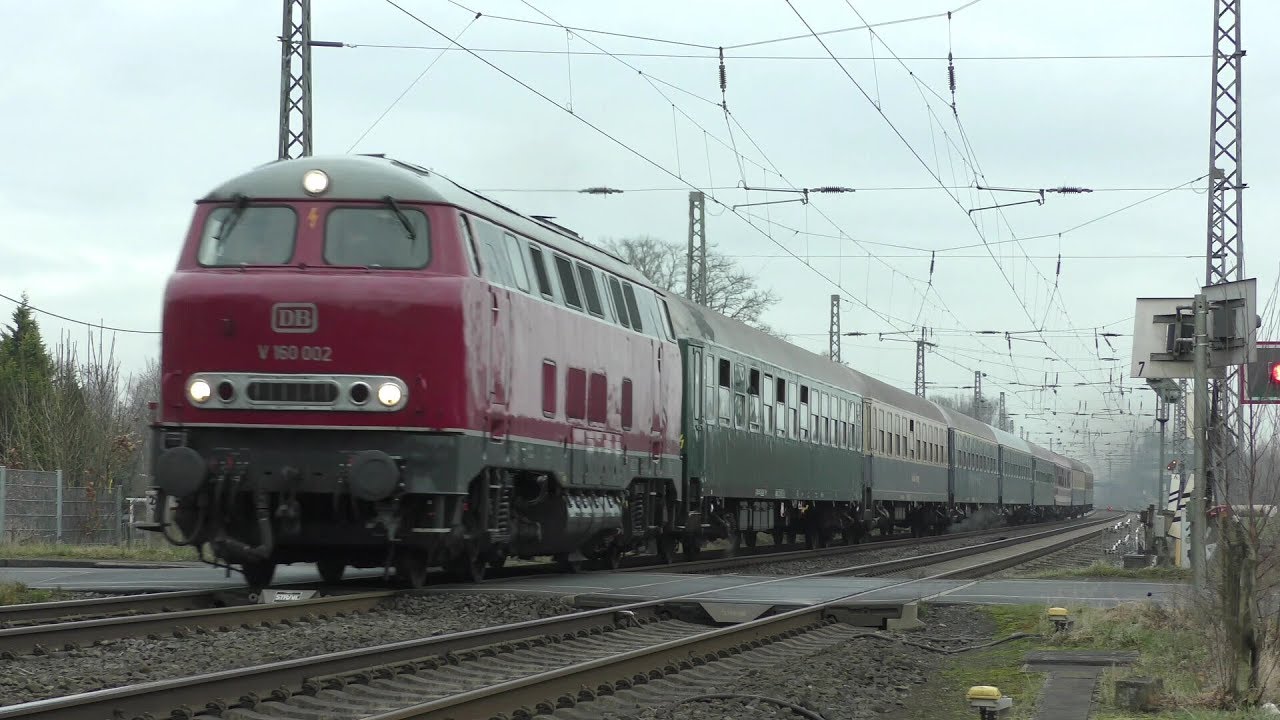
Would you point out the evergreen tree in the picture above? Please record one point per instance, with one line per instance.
(23, 355)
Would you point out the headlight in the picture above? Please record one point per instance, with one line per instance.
(199, 390)
(315, 182)
(389, 394)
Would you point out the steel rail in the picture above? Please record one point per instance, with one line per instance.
(158, 698)
(19, 640)
(758, 558)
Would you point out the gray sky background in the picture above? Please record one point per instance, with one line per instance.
(118, 115)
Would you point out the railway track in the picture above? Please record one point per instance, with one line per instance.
(726, 562)
(567, 664)
(171, 613)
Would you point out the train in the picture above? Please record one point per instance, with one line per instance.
(365, 364)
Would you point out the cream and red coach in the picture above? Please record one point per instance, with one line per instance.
(366, 364)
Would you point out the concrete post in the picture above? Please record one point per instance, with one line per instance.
(57, 539)
(1195, 508)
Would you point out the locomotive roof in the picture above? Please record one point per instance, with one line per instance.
(372, 178)
(694, 321)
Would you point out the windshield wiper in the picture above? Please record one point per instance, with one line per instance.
(404, 219)
(233, 217)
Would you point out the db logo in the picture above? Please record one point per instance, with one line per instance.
(293, 317)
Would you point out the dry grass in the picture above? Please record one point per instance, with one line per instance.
(139, 552)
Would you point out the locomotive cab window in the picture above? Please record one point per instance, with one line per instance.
(383, 237)
(253, 235)
(517, 261)
(619, 304)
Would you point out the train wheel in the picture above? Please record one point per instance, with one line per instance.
(331, 569)
(497, 563)
(567, 565)
(411, 566)
(470, 566)
(734, 537)
(613, 557)
(666, 550)
(691, 549)
(749, 538)
(258, 573)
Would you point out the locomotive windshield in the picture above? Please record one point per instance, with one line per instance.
(388, 237)
(259, 236)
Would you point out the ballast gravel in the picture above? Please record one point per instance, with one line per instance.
(134, 660)
(855, 680)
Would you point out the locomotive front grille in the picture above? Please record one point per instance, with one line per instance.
(277, 392)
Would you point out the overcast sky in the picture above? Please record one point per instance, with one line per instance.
(118, 115)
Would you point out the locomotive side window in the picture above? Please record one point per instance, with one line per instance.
(517, 261)
(629, 293)
(598, 399)
(464, 231)
(548, 388)
(626, 403)
(540, 271)
(575, 394)
(384, 237)
(567, 282)
(588, 279)
(254, 235)
(619, 305)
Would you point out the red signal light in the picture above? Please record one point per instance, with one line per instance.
(1273, 373)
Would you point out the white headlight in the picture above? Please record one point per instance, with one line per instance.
(199, 390)
(389, 394)
(315, 182)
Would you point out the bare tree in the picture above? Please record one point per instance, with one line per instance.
(964, 404)
(731, 290)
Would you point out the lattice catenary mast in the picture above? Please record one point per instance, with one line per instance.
(1225, 252)
(833, 330)
(295, 79)
(696, 260)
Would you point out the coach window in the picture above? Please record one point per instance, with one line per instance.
(626, 404)
(382, 237)
(709, 388)
(565, 270)
(629, 295)
(589, 291)
(725, 394)
(516, 259)
(739, 395)
(548, 388)
(792, 423)
(766, 405)
(540, 271)
(780, 403)
(753, 390)
(619, 304)
(804, 412)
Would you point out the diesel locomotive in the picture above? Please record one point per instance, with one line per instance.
(365, 364)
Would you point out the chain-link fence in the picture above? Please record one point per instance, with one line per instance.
(38, 506)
